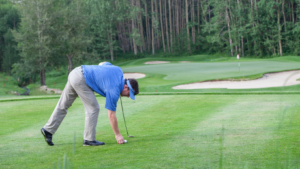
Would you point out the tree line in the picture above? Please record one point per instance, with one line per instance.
(38, 34)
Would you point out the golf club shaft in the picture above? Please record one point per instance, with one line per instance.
(124, 117)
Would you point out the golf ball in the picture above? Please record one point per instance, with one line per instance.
(125, 141)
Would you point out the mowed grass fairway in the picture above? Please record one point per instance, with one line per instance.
(174, 131)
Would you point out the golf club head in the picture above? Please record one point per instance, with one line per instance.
(130, 136)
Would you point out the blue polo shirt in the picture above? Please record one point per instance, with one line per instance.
(106, 80)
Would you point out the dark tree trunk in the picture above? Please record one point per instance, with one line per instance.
(167, 30)
(187, 26)
(133, 28)
(284, 17)
(162, 26)
(157, 19)
(141, 28)
(193, 20)
(120, 38)
(293, 13)
(279, 32)
(170, 19)
(147, 26)
(111, 51)
(153, 39)
(242, 40)
(43, 77)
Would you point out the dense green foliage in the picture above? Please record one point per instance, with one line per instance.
(9, 19)
(8, 86)
(58, 32)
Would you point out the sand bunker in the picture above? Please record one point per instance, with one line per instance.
(133, 75)
(156, 62)
(287, 78)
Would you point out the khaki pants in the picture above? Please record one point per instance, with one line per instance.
(76, 86)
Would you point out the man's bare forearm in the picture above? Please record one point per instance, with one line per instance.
(114, 125)
(113, 121)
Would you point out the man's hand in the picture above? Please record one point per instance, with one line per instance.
(120, 139)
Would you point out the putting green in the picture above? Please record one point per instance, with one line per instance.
(209, 71)
(163, 77)
(199, 131)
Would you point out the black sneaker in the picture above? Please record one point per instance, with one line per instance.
(47, 136)
(92, 143)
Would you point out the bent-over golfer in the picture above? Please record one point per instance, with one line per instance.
(106, 80)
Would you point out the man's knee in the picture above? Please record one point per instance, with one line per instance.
(96, 108)
(65, 105)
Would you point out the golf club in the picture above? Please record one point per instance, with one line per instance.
(124, 118)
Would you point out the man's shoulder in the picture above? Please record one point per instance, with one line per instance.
(109, 69)
(101, 67)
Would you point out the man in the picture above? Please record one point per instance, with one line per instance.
(106, 80)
